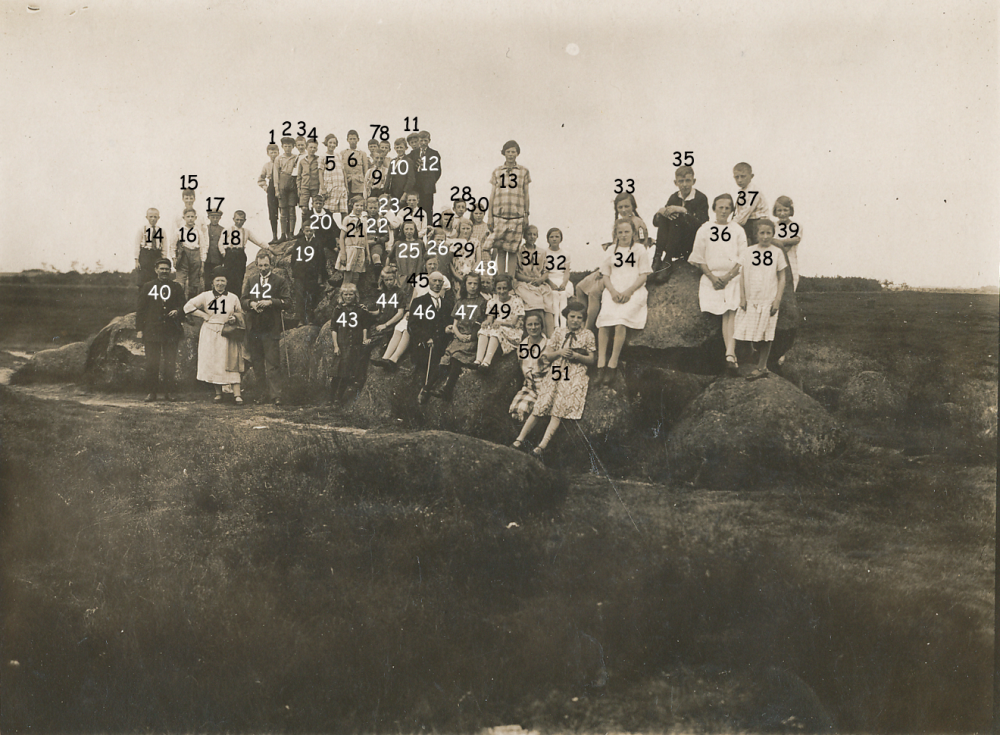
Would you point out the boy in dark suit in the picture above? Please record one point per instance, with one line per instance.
(428, 171)
(677, 223)
(308, 272)
(264, 298)
(158, 324)
(428, 317)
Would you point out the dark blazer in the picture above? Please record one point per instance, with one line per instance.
(426, 181)
(268, 321)
(312, 268)
(151, 312)
(697, 215)
(422, 329)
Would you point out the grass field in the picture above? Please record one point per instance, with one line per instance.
(176, 568)
(35, 317)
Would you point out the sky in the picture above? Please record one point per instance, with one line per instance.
(879, 119)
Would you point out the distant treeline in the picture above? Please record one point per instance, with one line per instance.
(839, 283)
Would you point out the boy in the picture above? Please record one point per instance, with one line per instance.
(188, 197)
(677, 223)
(763, 284)
(510, 206)
(264, 297)
(377, 178)
(149, 244)
(233, 249)
(428, 171)
(213, 255)
(190, 247)
(355, 165)
(266, 182)
(458, 214)
(308, 179)
(401, 170)
(288, 195)
(308, 272)
(327, 233)
(158, 326)
(380, 238)
(373, 151)
(750, 205)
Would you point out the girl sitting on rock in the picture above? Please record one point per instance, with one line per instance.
(400, 339)
(562, 390)
(532, 366)
(468, 314)
(503, 324)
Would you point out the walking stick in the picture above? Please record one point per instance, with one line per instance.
(288, 365)
(430, 356)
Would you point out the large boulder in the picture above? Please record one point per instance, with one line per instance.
(116, 359)
(871, 394)
(675, 321)
(428, 466)
(52, 366)
(739, 431)
(480, 408)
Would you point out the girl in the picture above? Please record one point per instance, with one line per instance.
(468, 314)
(400, 339)
(220, 360)
(763, 283)
(562, 391)
(558, 267)
(353, 242)
(625, 208)
(349, 326)
(718, 250)
(533, 280)
(331, 181)
(788, 235)
(389, 310)
(410, 253)
(464, 250)
(532, 366)
(623, 303)
(502, 326)
(479, 227)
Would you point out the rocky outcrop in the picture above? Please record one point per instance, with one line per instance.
(738, 432)
(63, 364)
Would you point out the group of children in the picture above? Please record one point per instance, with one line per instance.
(458, 286)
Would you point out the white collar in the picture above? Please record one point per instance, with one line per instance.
(689, 197)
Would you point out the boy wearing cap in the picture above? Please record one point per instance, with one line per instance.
(213, 255)
(288, 195)
(266, 182)
(157, 324)
(428, 171)
(149, 244)
(509, 207)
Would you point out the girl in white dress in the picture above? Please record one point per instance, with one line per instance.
(220, 360)
(623, 303)
(763, 275)
(718, 251)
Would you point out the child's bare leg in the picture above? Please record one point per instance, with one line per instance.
(603, 334)
(728, 330)
(391, 347)
(529, 424)
(237, 390)
(621, 331)
(593, 307)
(765, 352)
(404, 342)
(491, 350)
(549, 431)
(484, 342)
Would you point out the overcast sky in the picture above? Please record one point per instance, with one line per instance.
(878, 118)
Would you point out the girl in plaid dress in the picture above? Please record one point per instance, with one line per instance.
(509, 207)
(763, 278)
(562, 391)
(530, 351)
(353, 242)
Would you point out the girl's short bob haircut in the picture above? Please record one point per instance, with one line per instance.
(503, 277)
(729, 197)
(783, 201)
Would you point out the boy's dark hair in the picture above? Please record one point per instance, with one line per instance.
(354, 133)
(681, 170)
(287, 141)
(275, 146)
